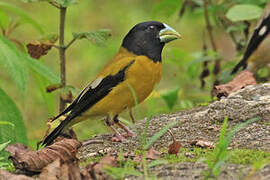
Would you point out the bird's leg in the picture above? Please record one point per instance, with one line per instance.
(125, 128)
(131, 116)
(118, 137)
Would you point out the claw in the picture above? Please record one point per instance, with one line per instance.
(117, 137)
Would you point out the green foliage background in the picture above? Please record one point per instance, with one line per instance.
(182, 59)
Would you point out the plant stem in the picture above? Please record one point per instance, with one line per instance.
(214, 46)
(70, 43)
(62, 55)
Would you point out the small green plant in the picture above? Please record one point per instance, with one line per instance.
(220, 152)
(170, 97)
(126, 168)
(3, 162)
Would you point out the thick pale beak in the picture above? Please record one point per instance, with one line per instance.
(168, 34)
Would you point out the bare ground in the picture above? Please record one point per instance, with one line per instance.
(203, 123)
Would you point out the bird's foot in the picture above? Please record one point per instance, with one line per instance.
(118, 138)
(129, 133)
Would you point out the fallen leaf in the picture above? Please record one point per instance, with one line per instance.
(151, 154)
(175, 146)
(203, 144)
(242, 80)
(15, 148)
(108, 160)
(58, 170)
(33, 161)
(5, 175)
(96, 169)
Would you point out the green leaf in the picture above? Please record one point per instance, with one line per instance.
(65, 3)
(166, 8)
(13, 62)
(31, 1)
(157, 162)
(244, 12)
(170, 97)
(21, 14)
(49, 98)
(7, 123)
(3, 145)
(257, 2)
(96, 37)
(158, 135)
(220, 152)
(9, 112)
(43, 70)
(4, 20)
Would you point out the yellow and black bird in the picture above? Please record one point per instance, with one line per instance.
(136, 67)
(257, 53)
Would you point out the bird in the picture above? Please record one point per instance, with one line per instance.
(257, 53)
(136, 67)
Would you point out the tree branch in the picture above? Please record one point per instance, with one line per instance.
(70, 43)
(213, 44)
(54, 4)
(62, 56)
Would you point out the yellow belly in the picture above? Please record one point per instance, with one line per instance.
(261, 57)
(141, 77)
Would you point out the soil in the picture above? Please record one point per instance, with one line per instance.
(202, 123)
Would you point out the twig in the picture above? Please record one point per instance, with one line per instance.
(210, 32)
(62, 54)
(92, 141)
(170, 132)
(208, 25)
(55, 46)
(70, 43)
(54, 4)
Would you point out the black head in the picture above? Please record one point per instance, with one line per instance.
(149, 38)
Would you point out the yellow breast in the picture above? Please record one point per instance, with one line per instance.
(141, 77)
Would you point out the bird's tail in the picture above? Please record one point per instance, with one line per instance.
(242, 63)
(56, 132)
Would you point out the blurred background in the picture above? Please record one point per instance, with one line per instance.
(183, 60)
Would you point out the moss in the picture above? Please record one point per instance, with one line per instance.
(187, 155)
(236, 156)
(91, 160)
(247, 156)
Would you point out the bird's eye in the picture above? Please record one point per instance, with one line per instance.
(151, 27)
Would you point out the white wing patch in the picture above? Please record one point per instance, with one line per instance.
(95, 83)
(262, 30)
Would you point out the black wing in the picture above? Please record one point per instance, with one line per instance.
(87, 99)
(257, 37)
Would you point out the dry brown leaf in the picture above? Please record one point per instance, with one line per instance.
(5, 175)
(33, 161)
(240, 81)
(62, 171)
(203, 144)
(53, 87)
(174, 147)
(95, 170)
(151, 154)
(108, 160)
(36, 49)
(14, 148)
